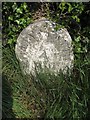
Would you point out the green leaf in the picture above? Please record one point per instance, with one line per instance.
(14, 7)
(62, 6)
(79, 50)
(70, 7)
(10, 41)
(10, 17)
(17, 21)
(24, 6)
(77, 39)
(19, 10)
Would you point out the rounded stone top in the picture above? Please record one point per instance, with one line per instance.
(40, 45)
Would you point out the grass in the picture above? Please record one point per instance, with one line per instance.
(47, 96)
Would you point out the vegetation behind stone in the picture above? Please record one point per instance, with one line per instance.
(46, 95)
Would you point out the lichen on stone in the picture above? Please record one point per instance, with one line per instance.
(40, 44)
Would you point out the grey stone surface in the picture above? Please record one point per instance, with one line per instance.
(40, 44)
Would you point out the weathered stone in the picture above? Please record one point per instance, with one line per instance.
(40, 44)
